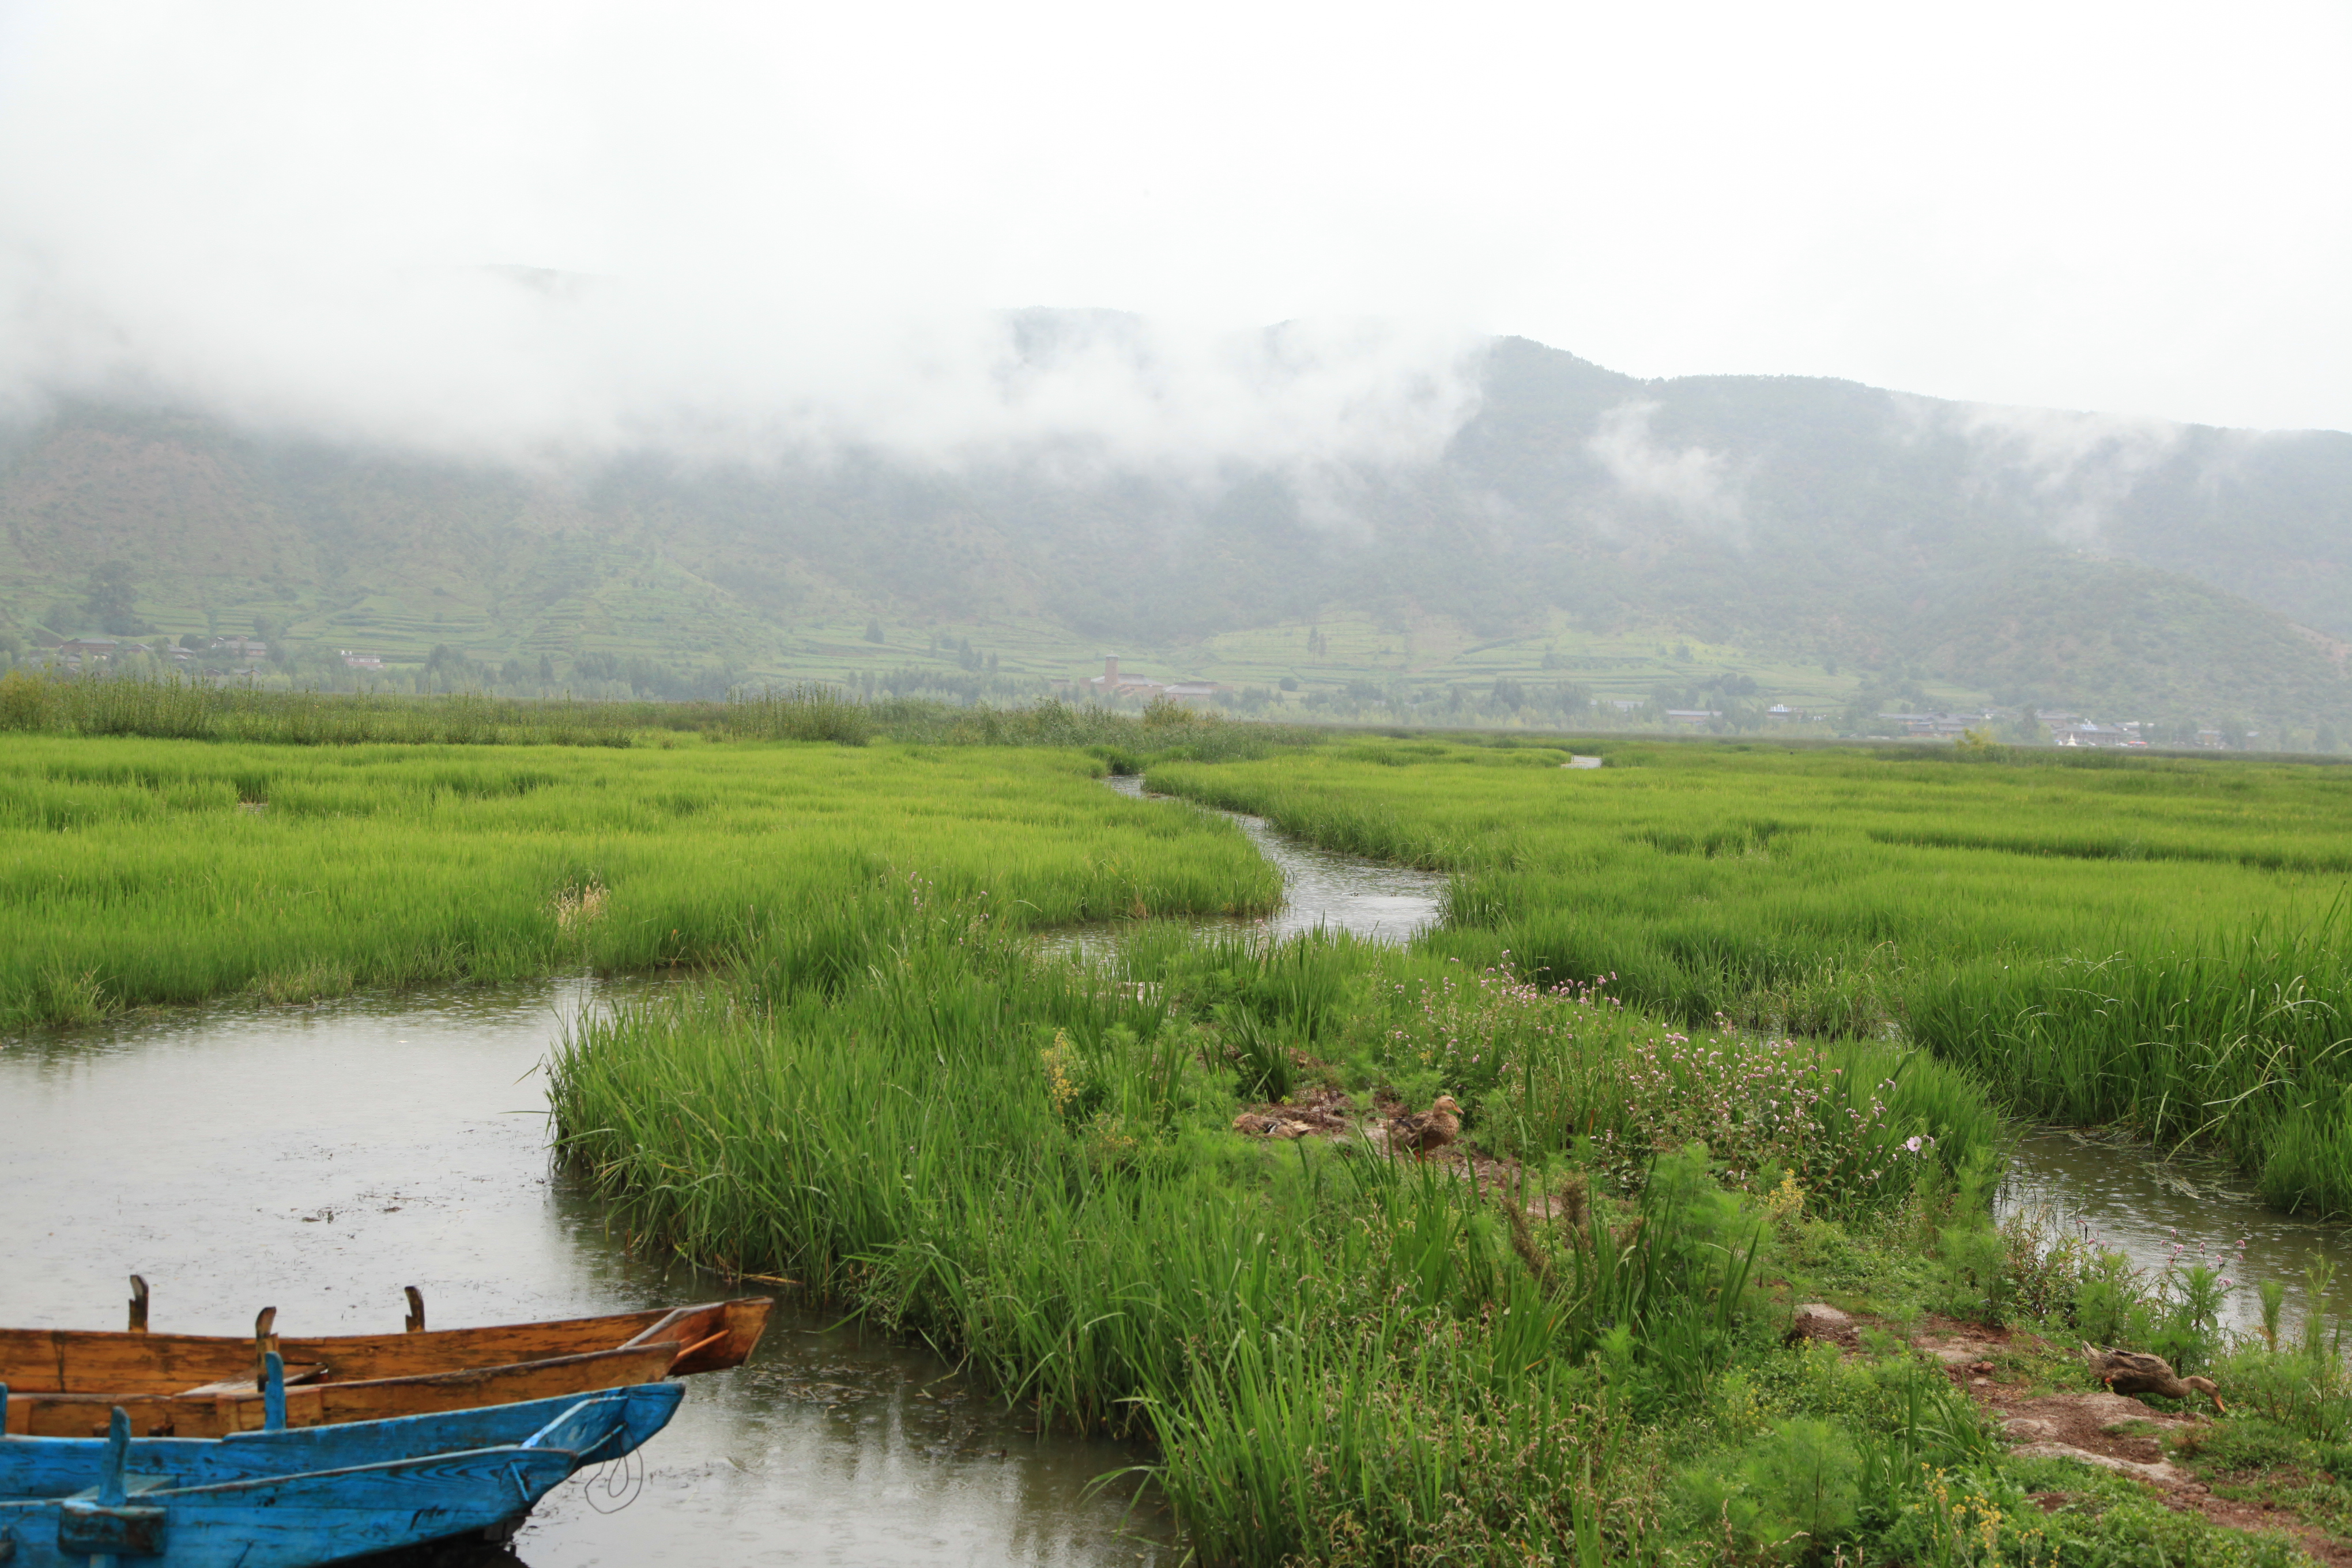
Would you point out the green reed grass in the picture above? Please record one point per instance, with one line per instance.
(140, 870)
(1029, 1164)
(2159, 943)
(175, 708)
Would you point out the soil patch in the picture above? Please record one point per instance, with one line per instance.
(2113, 1431)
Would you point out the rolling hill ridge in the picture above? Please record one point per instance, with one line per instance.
(1830, 540)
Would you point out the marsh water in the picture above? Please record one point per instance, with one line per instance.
(2155, 1209)
(1321, 890)
(318, 1159)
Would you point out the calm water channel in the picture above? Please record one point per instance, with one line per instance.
(1321, 889)
(2130, 1198)
(318, 1159)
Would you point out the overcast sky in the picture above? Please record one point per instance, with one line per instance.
(2141, 208)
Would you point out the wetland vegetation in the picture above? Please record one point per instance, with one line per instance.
(1732, 1030)
(2154, 943)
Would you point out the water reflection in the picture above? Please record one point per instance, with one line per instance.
(318, 1159)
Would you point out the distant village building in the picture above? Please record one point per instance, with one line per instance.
(241, 648)
(361, 660)
(1691, 715)
(1111, 683)
(2084, 733)
(1937, 726)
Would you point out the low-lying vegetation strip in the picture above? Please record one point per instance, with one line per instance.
(139, 871)
(173, 709)
(2160, 944)
(176, 709)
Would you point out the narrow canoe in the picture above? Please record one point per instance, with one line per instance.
(295, 1499)
(238, 1405)
(708, 1337)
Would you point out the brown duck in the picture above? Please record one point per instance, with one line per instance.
(1423, 1133)
(2136, 1372)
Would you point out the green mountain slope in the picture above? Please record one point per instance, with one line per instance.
(1824, 539)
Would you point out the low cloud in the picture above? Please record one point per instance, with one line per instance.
(1697, 485)
(2071, 471)
(544, 235)
(537, 367)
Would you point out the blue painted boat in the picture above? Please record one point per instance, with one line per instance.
(302, 1497)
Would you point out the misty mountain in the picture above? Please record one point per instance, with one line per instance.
(2038, 556)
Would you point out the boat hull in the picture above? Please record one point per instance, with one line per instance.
(295, 1499)
(710, 1336)
(330, 1404)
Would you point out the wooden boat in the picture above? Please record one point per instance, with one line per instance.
(64, 1383)
(294, 1498)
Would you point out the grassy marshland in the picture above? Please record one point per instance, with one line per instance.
(2160, 943)
(137, 870)
(1344, 1358)
(179, 709)
(1573, 1352)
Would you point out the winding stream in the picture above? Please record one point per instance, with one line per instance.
(318, 1158)
(1321, 890)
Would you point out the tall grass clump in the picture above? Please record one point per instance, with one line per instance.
(2246, 1046)
(1032, 1169)
(806, 711)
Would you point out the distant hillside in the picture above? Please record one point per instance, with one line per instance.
(1847, 538)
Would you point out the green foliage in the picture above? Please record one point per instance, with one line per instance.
(803, 712)
(135, 870)
(2162, 944)
(174, 708)
(1794, 1493)
(112, 600)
